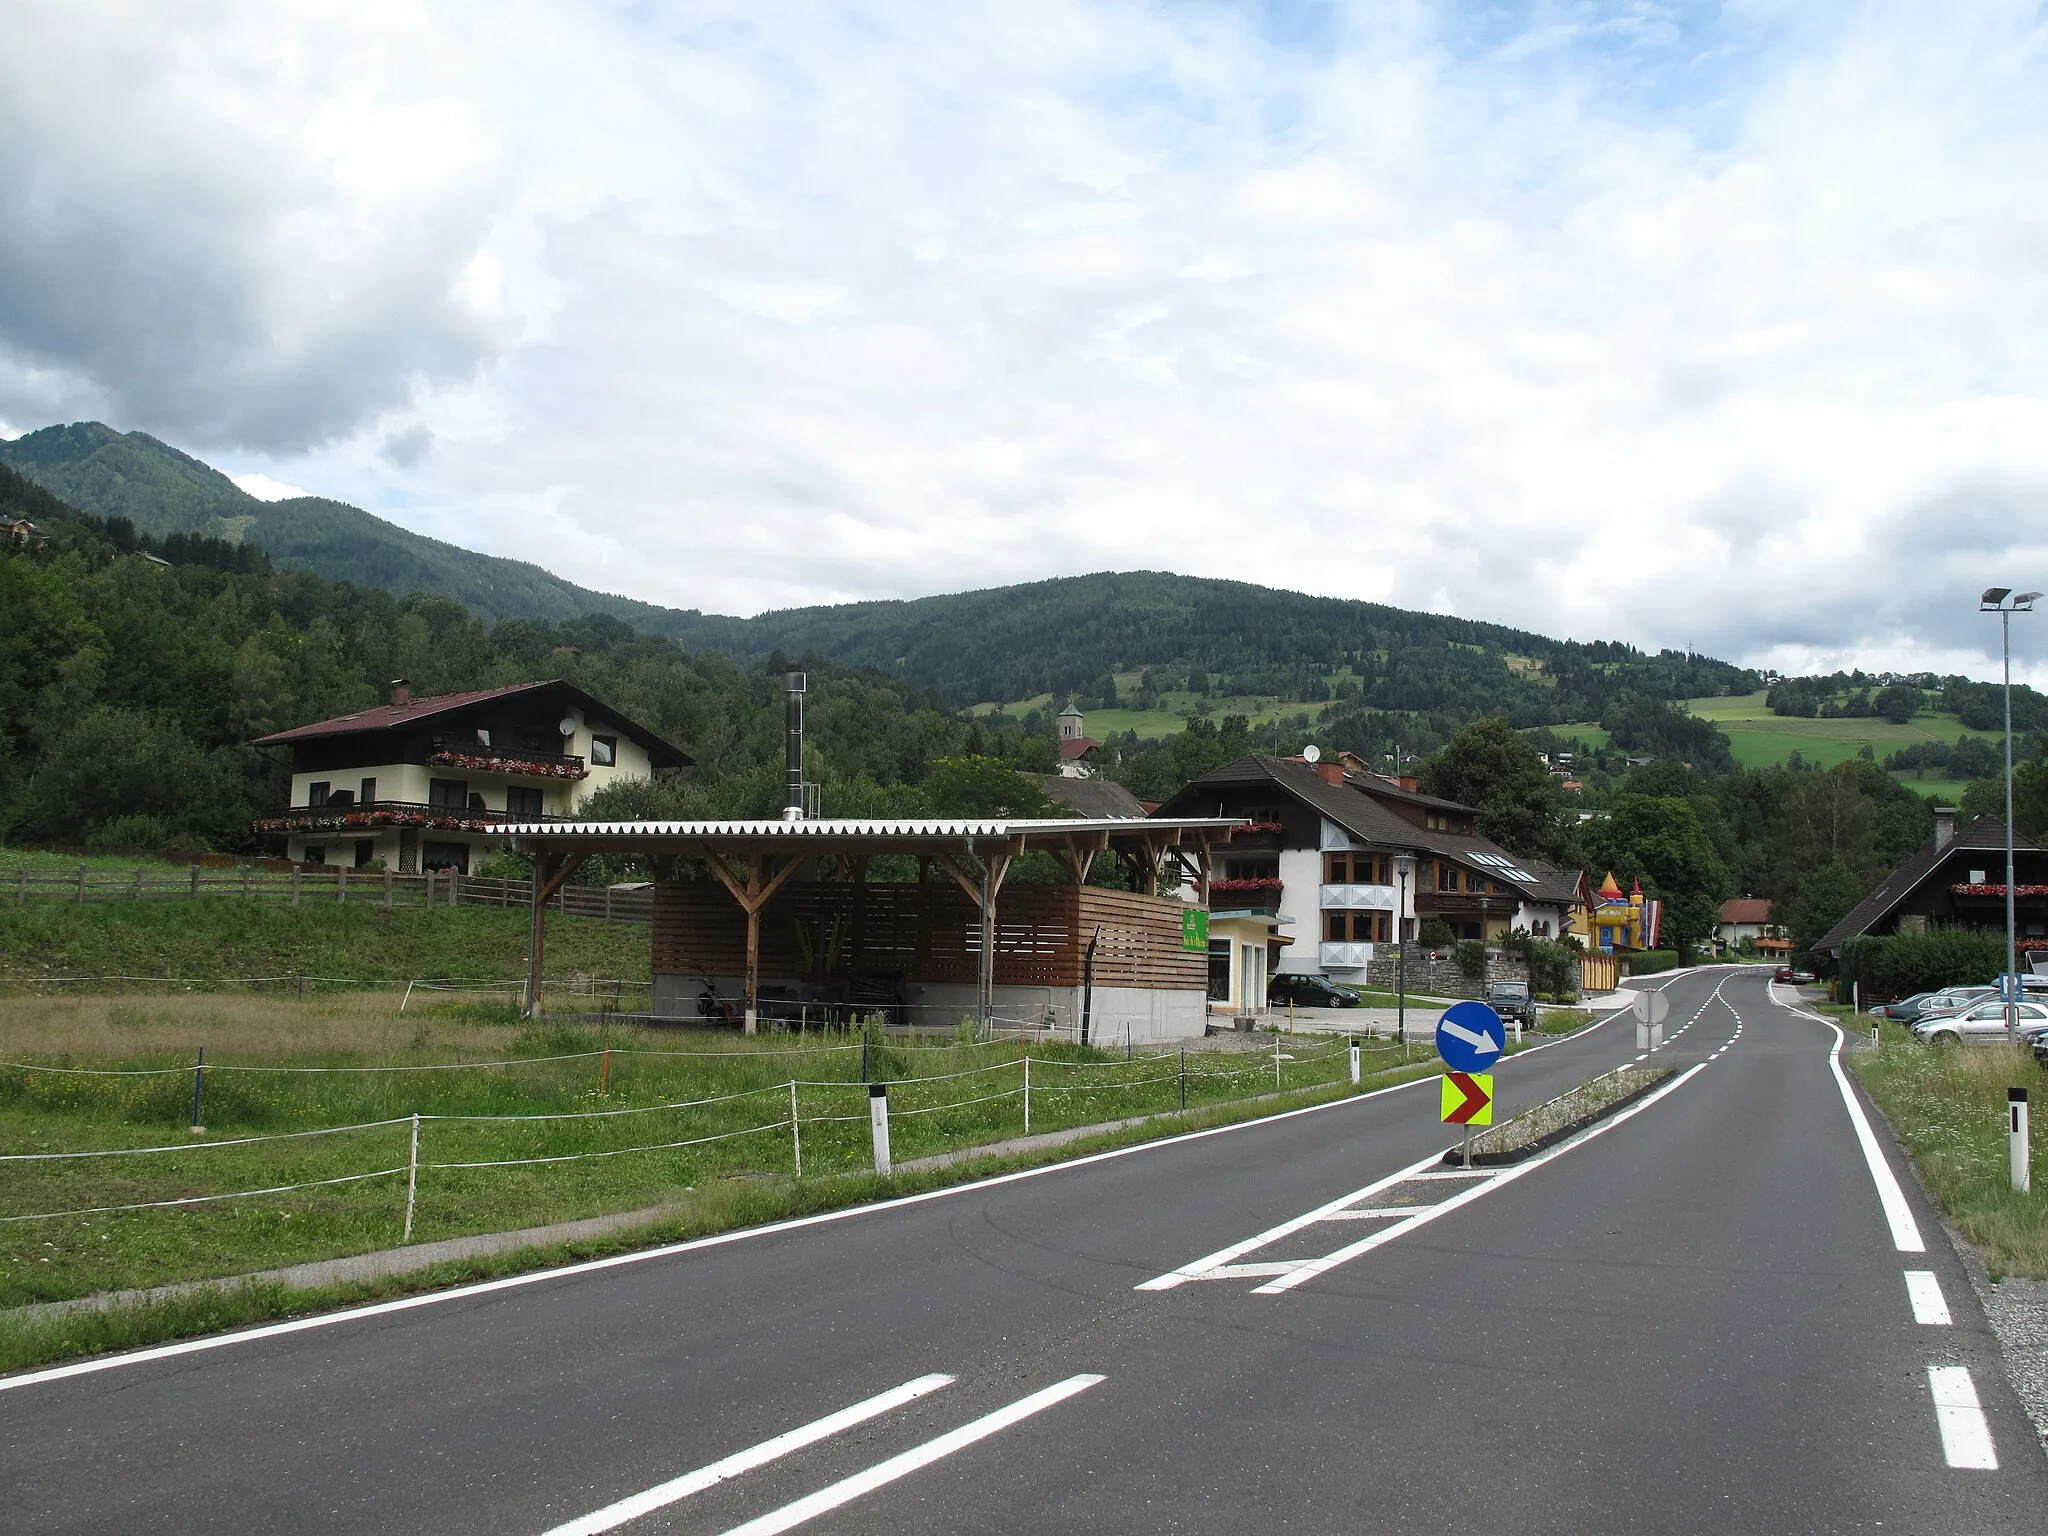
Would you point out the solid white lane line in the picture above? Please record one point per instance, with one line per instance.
(1375, 1213)
(846, 1491)
(1905, 1230)
(1965, 1433)
(1313, 1267)
(1929, 1305)
(1203, 1267)
(658, 1497)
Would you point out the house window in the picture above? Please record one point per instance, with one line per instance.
(367, 793)
(483, 737)
(450, 793)
(1356, 927)
(316, 854)
(445, 856)
(476, 801)
(604, 751)
(1336, 869)
(316, 794)
(1252, 869)
(523, 803)
(366, 850)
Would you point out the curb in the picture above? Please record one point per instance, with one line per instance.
(1454, 1158)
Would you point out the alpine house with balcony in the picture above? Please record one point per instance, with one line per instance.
(429, 783)
(1315, 879)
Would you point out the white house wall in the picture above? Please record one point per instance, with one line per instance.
(1301, 876)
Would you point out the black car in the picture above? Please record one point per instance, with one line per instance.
(1308, 990)
(1511, 1000)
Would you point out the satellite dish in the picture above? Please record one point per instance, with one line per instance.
(1312, 753)
(566, 726)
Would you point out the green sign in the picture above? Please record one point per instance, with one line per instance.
(1194, 929)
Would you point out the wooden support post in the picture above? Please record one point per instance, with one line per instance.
(550, 873)
(753, 892)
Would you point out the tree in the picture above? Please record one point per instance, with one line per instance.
(1661, 841)
(1490, 766)
(982, 786)
(1825, 898)
(1897, 703)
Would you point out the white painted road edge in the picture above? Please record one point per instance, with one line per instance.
(1965, 1433)
(1930, 1307)
(676, 1489)
(1905, 1230)
(846, 1491)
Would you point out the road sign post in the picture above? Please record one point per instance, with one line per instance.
(1470, 1038)
(1650, 1009)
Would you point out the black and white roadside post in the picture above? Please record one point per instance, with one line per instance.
(1354, 1061)
(2016, 1135)
(878, 1121)
(2004, 602)
(1404, 871)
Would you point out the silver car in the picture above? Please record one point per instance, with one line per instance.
(1984, 1024)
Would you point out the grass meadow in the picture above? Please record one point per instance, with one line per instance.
(1761, 739)
(522, 1124)
(1949, 1107)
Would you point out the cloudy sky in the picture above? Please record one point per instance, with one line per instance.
(1709, 325)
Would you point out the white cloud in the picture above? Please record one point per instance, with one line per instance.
(1710, 327)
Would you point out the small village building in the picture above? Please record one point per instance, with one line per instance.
(1312, 883)
(433, 783)
(1956, 882)
(1075, 744)
(916, 920)
(1746, 924)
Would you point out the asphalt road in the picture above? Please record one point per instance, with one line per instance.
(1697, 1320)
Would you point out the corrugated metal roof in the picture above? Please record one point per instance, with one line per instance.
(925, 827)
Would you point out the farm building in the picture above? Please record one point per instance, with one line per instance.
(780, 918)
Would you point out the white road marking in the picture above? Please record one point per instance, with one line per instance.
(1251, 1271)
(1965, 1433)
(1905, 1230)
(676, 1489)
(1929, 1305)
(1313, 1267)
(1375, 1213)
(847, 1490)
(1203, 1267)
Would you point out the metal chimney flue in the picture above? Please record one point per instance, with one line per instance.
(793, 806)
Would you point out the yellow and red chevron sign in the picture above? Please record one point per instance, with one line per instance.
(1468, 1098)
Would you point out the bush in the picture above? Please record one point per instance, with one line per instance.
(1650, 961)
(1900, 964)
(1434, 933)
(1471, 958)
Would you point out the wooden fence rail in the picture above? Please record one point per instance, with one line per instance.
(301, 886)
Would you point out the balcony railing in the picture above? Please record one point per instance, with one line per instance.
(532, 765)
(1372, 898)
(1260, 894)
(1996, 888)
(369, 816)
(1345, 957)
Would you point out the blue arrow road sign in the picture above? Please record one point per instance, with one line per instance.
(1470, 1037)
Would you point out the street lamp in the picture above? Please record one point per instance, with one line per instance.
(2004, 602)
(1404, 871)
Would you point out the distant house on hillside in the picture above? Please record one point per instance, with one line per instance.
(1957, 882)
(428, 783)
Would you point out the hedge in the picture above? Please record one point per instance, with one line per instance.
(1649, 962)
(1900, 964)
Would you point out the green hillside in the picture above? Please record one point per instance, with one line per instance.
(162, 491)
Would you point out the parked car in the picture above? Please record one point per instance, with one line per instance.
(1904, 1009)
(1305, 989)
(1511, 1000)
(1787, 973)
(1951, 1000)
(1983, 1024)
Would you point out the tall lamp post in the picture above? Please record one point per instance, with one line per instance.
(1404, 872)
(2004, 602)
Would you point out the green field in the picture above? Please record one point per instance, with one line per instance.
(1171, 717)
(1761, 739)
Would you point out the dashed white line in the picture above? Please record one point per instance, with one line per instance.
(1930, 1307)
(1965, 1433)
(676, 1489)
(848, 1489)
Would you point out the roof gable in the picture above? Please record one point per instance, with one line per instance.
(395, 717)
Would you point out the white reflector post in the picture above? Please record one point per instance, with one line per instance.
(2016, 1130)
(878, 1118)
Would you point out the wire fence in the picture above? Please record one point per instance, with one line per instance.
(725, 1134)
(319, 883)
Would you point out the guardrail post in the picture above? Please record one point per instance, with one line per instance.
(878, 1122)
(1027, 1095)
(1354, 1063)
(2016, 1122)
(198, 1086)
(1183, 1079)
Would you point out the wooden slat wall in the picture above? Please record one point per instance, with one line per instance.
(831, 928)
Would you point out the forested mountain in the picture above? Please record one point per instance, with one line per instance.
(1065, 636)
(161, 491)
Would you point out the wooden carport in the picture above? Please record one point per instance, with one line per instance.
(755, 860)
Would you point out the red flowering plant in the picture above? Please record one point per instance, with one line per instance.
(494, 762)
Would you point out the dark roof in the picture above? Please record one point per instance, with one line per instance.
(1986, 834)
(1357, 806)
(392, 717)
(1098, 799)
(1074, 748)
